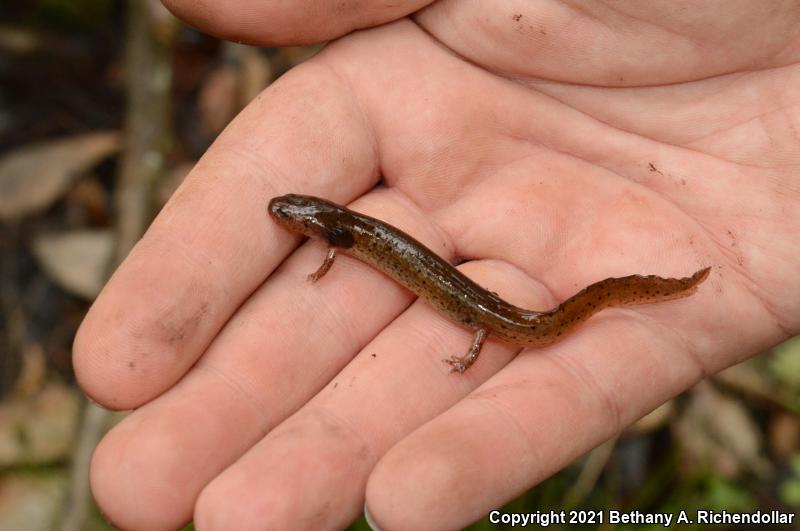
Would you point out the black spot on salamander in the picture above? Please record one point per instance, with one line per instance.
(339, 237)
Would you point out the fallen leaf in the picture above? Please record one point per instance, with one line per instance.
(32, 177)
(77, 261)
(784, 435)
(654, 420)
(90, 200)
(717, 432)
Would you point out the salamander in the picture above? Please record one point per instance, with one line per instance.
(435, 280)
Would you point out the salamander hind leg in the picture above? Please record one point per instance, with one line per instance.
(324, 268)
(462, 363)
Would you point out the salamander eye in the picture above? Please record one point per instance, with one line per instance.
(339, 237)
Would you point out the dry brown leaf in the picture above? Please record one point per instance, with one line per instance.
(717, 432)
(654, 420)
(90, 200)
(748, 378)
(34, 176)
(77, 261)
(784, 435)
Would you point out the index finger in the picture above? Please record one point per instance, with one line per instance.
(212, 244)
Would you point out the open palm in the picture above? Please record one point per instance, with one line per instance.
(546, 146)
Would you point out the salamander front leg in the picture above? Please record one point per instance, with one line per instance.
(326, 265)
(462, 363)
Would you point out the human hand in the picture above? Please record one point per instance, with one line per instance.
(550, 146)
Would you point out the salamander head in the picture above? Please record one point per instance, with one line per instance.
(313, 217)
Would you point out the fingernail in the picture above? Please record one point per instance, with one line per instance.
(370, 522)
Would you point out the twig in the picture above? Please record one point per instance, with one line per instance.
(148, 137)
(746, 380)
(95, 421)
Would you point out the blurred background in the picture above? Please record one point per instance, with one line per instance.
(104, 108)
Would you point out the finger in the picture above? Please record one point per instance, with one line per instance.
(213, 244)
(542, 411)
(294, 477)
(286, 23)
(621, 45)
(260, 369)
